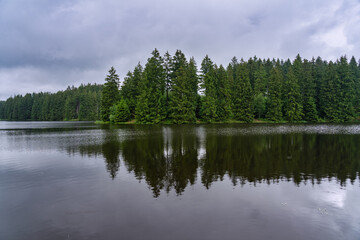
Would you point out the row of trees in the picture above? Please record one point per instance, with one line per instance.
(82, 103)
(169, 88)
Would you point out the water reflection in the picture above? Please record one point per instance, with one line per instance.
(172, 157)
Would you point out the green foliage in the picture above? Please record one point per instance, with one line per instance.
(260, 85)
(80, 103)
(110, 94)
(275, 104)
(293, 108)
(120, 112)
(130, 89)
(259, 105)
(332, 100)
(182, 105)
(169, 90)
(243, 104)
(150, 105)
(207, 85)
(223, 86)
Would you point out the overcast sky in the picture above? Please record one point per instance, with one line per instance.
(48, 45)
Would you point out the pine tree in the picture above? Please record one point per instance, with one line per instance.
(293, 108)
(346, 89)
(332, 95)
(243, 105)
(208, 80)
(309, 105)
(319, 68)
(151, 104)
(182, 108)
(130, 89)
(260, 81)
(110, 94)
(259, 105)
(120, 112)
(355, 75)
(274, 112)
(223, 105)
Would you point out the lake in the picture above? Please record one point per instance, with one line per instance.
(78, 180)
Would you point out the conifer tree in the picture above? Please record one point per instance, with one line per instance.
(274, 112)
(260, 81)
(309, 105)
(130, 89)
(355, 75)
(293, 108)
(110, 94)
(120, 112)
(346, 89)
(208, 79)
(319, 67)
(182, 107)
(332, 94)
(193, 83)
(243, 105)
(223, 110)
(151, 104)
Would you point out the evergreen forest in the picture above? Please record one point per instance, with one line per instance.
(174, 89)
(81, 103)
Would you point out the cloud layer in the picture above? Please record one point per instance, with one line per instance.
(48, 45)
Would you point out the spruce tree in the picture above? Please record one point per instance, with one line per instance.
(293, 108)
(260, 85)
(309, 104)
(130, 89)
(182, 107)
(208, 82)
(243, 104)
(223, 106)
(332, 95)
(151, 104)
(319, 68)
(120, 112)
(355, 75)
(347, 89)
(274, 112)
(110, 94)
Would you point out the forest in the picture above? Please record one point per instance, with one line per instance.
(172, 89)
(81, 103)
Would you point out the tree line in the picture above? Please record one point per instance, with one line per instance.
(75, 103)
(171, 89)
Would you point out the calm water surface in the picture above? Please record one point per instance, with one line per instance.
(78, 180)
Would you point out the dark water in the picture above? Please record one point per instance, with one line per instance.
(84, 181)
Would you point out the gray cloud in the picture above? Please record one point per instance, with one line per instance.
(48, 45)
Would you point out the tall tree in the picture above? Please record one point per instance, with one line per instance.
(243, 105)
(110, 94)
(346, 89)
(332, 94)
(151, 105)
(293, 108)
(223, 86)
(355, 75)
(182, 108)
(309, 88)
(208, 81)
(274, 112)
(130, 89)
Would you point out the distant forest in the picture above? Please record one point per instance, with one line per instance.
(171, 89)
(81, 103)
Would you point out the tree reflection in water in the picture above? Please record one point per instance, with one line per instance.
(169, 157)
